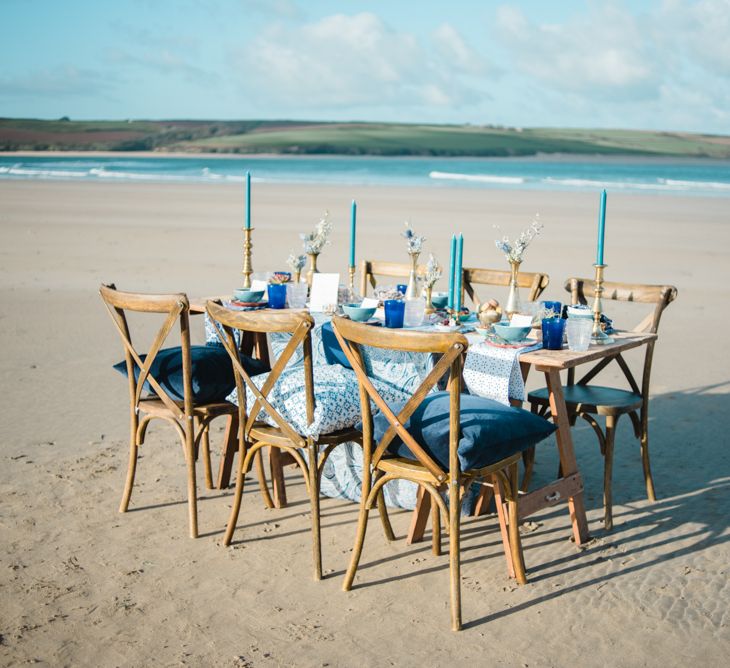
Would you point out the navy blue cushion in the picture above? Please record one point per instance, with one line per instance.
(490, 431)
(212, 372)
(333, 352)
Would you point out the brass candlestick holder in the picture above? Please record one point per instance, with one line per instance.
(312, 267)
(598, 336)
(351, 278)
(247, 266)
(428, 293)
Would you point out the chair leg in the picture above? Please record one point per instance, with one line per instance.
(384, 519)
(436, 526)
(131, 469)
(528, 460)
(277, 478)
(499, 496)
(608, 472)
(261, 475)
(362, 525)
(192, 489)
(648, 480)
(314, 502)
(205, 445)
(454, 555)
(236, 507)
(228, 451)
(515, 541)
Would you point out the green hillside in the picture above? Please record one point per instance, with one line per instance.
(388, 139)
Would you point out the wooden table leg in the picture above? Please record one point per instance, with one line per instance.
(230, 447)
(419, 518)
(567, 454)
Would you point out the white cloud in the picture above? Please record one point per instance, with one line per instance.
(343, 61)
(604, 53)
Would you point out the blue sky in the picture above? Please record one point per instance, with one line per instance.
(661, 64)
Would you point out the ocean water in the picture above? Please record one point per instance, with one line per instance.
(686, 177)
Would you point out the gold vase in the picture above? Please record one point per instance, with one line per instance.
(427, 291)
(412, 289)
(312, 267)
(513, 299)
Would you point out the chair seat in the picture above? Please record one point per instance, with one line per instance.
(154, 406)
(263, 432)
(592, 399)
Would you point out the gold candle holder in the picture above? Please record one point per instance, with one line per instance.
(428, 292)
(351, 278)
(598, 336)
(312, 267)
(247, 266)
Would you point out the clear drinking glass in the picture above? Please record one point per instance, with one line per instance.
(296, 294)
(415, 310)
(578, 331)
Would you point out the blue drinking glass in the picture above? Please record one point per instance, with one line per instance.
(552, 333)
(394, 311)
(401, 287)
(277, 295)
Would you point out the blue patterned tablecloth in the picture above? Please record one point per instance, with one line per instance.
(490, 372)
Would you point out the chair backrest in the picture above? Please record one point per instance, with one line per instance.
(451, 347)
(175, 307)
(582, 292)
(369, 269)
(297, 323)
(535, 282)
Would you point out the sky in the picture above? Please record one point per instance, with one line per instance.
(642, 64)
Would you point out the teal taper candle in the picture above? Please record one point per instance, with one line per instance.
(601, 228)
(248, 200)
(458, 272)
(353, 224)
(452, 261)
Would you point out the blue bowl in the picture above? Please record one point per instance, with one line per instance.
(358, 313)
(248, 296)
(509, 333)
(439, 299)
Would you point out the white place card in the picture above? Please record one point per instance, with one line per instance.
(259, 285)
(368, 302)
(521, 320)
(324, 291)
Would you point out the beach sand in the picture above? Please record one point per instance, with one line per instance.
(82, 585)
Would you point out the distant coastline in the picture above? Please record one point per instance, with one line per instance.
(538, 157)
(304, 138)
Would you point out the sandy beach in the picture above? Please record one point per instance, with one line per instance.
(82, 585)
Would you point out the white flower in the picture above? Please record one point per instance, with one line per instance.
(514, 251)
(433, 271)
(415, 243)
(314, 242)
(296, 262)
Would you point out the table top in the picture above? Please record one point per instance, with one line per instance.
(565, 359)
(553, 359)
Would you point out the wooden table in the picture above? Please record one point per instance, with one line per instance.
(570, 486)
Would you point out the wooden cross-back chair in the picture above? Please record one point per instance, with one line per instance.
(255, 434)
(190, 420)
(379, 466)
(369, 269)
(534, 282)
(587, 400)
